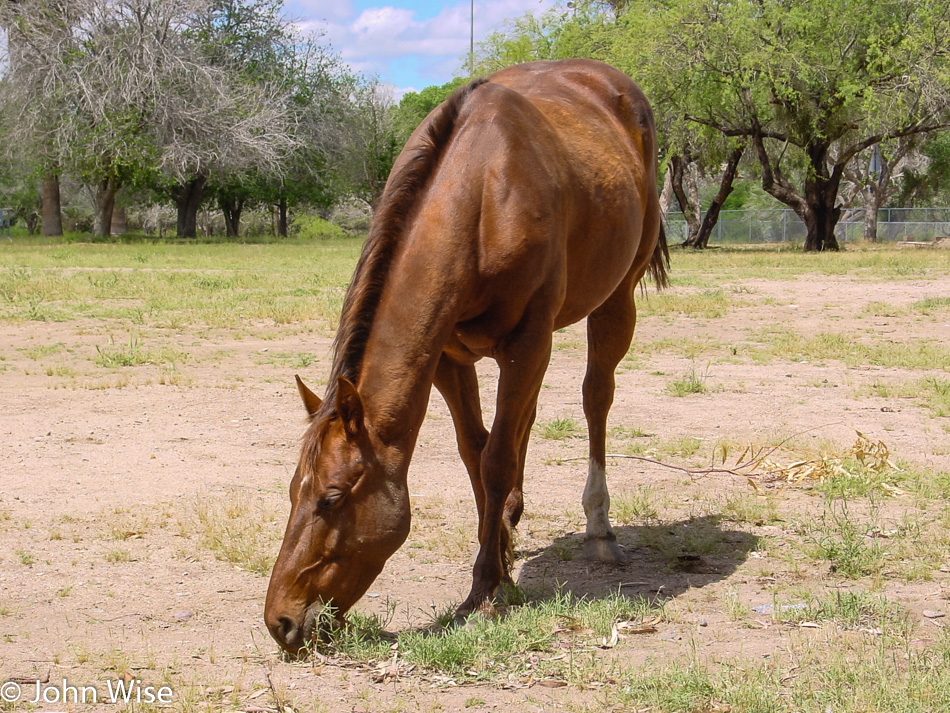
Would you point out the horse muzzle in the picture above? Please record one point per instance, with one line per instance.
(295, 634)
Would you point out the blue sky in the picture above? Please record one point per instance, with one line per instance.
(410, 44)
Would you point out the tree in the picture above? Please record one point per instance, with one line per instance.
(871, 174)
(244, 123)
(415, 106)
(321, 101)
(18, 194)
(372, 145)
(728, 170)
(576, 29)
(138, 99)
(926, 174)
(30, 137)
(251, 39)
(808, 85)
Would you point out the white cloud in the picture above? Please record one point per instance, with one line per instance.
(374, 39)
(383, 22)
(323, 10)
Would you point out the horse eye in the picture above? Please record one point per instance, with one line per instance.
(330, 500)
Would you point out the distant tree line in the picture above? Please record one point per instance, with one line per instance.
(824, 106)
(183, 102)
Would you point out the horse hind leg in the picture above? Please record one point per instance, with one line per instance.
(458, 384)
(609, 333)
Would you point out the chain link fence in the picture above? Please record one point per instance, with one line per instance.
(777, 226)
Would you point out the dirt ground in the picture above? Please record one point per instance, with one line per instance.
(116, 491)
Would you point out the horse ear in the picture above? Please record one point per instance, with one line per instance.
(311, 401)
(349, 405)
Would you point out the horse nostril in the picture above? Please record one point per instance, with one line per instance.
(286, 629)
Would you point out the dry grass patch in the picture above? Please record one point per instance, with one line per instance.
(792, 346)
(236, 527)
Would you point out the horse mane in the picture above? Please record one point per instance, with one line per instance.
(400, 196)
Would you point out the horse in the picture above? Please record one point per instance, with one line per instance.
(524, 203)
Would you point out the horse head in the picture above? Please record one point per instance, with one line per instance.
(348, 515)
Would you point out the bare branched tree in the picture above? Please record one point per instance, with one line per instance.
(871, 176)
(122, 96)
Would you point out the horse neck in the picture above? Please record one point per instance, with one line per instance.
(412, 323)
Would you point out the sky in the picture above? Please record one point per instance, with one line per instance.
(410, 44)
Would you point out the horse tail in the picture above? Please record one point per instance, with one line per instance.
(660, 262)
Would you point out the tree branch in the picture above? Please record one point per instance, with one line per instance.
(912, 130)
(736, 132)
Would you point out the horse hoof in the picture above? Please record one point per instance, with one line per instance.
(604, 550)
(468, 617)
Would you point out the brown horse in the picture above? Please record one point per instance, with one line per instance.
(522, 204)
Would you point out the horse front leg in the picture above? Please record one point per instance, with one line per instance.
(522, 362)
(514, 506)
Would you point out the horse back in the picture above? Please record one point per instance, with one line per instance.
(544, 198)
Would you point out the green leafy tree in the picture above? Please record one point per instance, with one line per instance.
(254, 44)
(415, 106)
(577, 29)
(320, 99)
(262, 47)
(808, 85)
(19, 196)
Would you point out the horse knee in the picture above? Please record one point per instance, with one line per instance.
(514, 507)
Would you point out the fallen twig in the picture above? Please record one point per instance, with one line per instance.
(751, 463)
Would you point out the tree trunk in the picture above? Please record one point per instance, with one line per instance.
(231, 207)
(52, 223)
(188, 199)
(879, 188)
(821, 195)
(686, 192)
(281, 227)
(118, 221)
(666, 195)
(817, 207)
(871, 209)
(712, 214)
(32, 219)
(820, 221)
(105, 203)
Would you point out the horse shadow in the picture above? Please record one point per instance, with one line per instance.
(663, 560)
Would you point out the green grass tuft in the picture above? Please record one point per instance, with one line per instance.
(493, 649)
(561, 428)
(690, 383)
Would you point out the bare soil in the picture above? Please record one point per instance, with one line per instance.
(113, 484)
